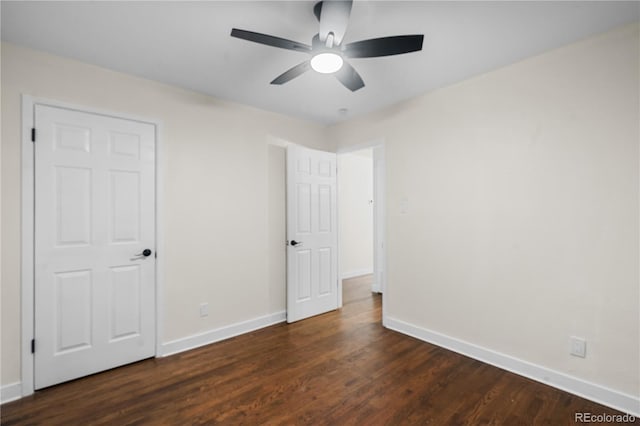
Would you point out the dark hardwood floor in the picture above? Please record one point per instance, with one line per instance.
(340, 368)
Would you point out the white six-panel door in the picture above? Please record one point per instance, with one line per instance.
(312, 275)
(94, 216)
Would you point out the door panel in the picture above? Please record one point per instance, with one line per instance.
(73, 311)
(94, 211)
(311, 220)
(72, 206)
(324, 268)
(72, 138)
(303, 226)
(124, 206)
(124, 312)
(324, 208)
(124, 145)
(303, 260)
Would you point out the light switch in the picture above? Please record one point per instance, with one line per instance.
(404, 205)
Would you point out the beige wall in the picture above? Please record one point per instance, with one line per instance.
(355, 212)
(522, 208)
(217, 191)
(277, 228)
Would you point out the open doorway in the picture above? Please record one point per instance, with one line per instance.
(355, 213)
(361, 222)
(278, 219)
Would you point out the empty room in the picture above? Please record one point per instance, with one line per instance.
(320, 212)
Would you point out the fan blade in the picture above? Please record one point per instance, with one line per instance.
(334, 18)
(348, 76)
(292, 73)
(384, 46)
(282, 43)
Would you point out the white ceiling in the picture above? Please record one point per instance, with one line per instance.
(187, 44)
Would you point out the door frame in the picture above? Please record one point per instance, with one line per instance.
(379, 215)
(27, 280)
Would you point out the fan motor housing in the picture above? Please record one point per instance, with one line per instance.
(317, 9)
(318, 46)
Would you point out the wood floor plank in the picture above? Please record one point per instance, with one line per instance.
(340, 368)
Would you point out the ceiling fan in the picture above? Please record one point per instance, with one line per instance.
(327, 53)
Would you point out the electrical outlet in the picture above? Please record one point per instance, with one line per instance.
(577, 346)
(204, 310)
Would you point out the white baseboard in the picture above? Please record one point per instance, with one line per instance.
(594, 392)
(10, 392)
(222, 333)
(356, 273)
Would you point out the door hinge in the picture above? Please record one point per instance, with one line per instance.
(33, 134)
(33, 346)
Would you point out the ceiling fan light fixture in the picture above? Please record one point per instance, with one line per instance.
(326, 52)
(326, 62)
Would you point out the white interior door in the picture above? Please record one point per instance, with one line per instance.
(312, 261)
(94, 217)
